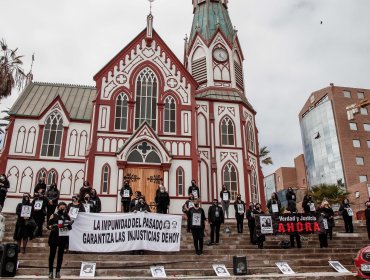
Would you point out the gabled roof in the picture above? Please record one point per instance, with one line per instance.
(36, 97)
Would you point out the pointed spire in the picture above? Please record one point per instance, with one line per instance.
(149, 26)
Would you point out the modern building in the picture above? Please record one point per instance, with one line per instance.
(149, 119)
(336, 150)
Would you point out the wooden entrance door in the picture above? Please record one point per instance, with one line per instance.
(145, 180)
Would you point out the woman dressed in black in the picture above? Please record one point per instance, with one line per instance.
(24, 227)
(4, 186)
(59, 224)
(39, 205)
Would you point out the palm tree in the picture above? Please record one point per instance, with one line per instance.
(330, 192)
(11, 71)
(264, 156)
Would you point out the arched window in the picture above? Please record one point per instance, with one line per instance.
(20, 140)
(41, 174)
(250, 132)
(121, 112)
(105, 178)
(254, 191)
(146, 98)
(170, 115)
(52, 138)
(180, 181)
(144, 152)
(52, 177)
(227, 132)
(231, 179)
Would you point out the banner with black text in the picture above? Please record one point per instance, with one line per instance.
(119, 232)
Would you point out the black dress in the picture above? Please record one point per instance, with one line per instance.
(23, 228)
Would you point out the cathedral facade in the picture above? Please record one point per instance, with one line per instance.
(151, 119)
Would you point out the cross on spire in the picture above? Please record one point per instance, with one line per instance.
(150, 8)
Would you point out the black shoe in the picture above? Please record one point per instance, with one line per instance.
(57, 274)
(51, 276)
(197, 253)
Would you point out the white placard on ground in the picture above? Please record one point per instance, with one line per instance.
(158, 271)
(338, 266)
(87, 269)
(284, 268)
(221, 270)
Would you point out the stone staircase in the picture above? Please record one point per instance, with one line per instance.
(309, 262)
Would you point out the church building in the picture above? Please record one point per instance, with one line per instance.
(150, 119)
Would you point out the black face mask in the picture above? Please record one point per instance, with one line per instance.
(196, 204)
(61, 211)
(193, 184)
(368, 206)
(25, 200)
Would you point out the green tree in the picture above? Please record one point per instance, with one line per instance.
(264, 156)
(11, 72)
(330, 192)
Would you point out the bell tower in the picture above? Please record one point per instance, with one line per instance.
(212, 52)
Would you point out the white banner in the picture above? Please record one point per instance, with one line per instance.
(99, 232)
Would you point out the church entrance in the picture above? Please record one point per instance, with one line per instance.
(145, 180)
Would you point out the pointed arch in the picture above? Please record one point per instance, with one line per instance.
(52, 137)
(52, 177)
(146, 98)
(26, 180)
(199, 65)
(227, 129)
(41, 173)
(79, 180)
(202, 130)
(19, 144)
(204, 181)
(31, 136)
(230, 178)
(254, 187)
(105, 178)
(169, 115)
(66, 182)
(121, 114)
(13, 177)
(82, 144)
(180, 179)
(72, 142)
(250, 137)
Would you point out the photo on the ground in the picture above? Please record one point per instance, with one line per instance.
(158, 271)
(284, 268)
(338, 266)
(87, 269)
(221, 270)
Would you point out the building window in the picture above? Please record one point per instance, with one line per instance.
(359, 160)
(227, 132)
(52, 177)
(279, 178)
(356, 143)
(366, 126)
(347, 94)
(146, 98)
(105, 178)
(170, 115)
(231, 179)
(353, 126)
(364, 111)
(250, 135)
(368, 143)
(363, 178)
(52, 138)
(121, 112)
(254, 191)
(180, 181)
(360, 95)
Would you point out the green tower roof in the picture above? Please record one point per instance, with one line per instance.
(208, 16)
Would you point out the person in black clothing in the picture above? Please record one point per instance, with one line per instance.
(162, 200)
(135, 201)
(59, 224)
(292, 209)
(323, 216)
(87, 205)
(74, 204)
(39, 205)
(367, 216)
(141, 206)
(52, 195)
(251, 222)
(225, 200)
(40, 185)
(4, 186)
(96, 201)
(194, 190)
(197, 225)
(258, 239)
(86, 188)
(186, 210)
(215, 219)
(239, 208)
(274, 204)
(24, 226)
(126, 194)
(308, 204)
(291, 196)
(347, 214)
